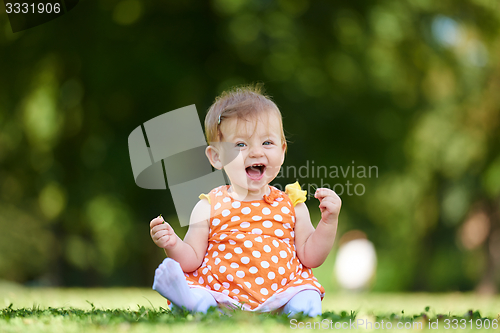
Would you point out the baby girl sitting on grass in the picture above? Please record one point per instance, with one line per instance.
(255, 245)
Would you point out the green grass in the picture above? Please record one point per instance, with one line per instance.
(142, 310)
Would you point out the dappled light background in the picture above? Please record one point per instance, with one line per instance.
(409, 88)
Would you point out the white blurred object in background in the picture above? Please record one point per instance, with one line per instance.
(356, 261)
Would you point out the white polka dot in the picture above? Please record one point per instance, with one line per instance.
(248, 284)
(267, 248)
(224, 226)
(217, 286)
(225, 292)
(205, 271)
(218, 194)
(236, 204)
(217, 261)
(264, 264)
(235, 291)
(226, 199)
(190, 282)
(267, 224)
(229, 277)
(228, 256)
(274, 204)
(256, 218)
(266, 211)
(246, 210)
(293, 219)
(275, 259)
(200, 280)
(271, 275)
(238, 250)
(259, 280)
(279, 199)
(317, 284)
(274, 286)
(240, 274)
(292, 276)
(278, 232)
(222, 269)
(256, 254)
(285, 210)
(232, 242)
(248, 243)
(222, 236)
(195, 273)
(283, 282)
(256, 204)
(264, 291)
(225, 212)
(245, 260)
(234, 265)
(244, 224)
(287, 226)
(253, 270)
(258, 239)
(281, 270)
(221, 247)
(235, 218)
(304, 275)
(276, 243)
(277, 217)
(217, 206)
(256, 231)
(240, 236)
(210, 278)
(215, 222)
(288, 265)
(215, 254)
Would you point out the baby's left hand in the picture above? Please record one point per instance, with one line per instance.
(329, 205)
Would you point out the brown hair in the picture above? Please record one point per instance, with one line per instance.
(243, 102)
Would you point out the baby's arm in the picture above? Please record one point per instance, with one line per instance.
(313, 246)
(190, 252)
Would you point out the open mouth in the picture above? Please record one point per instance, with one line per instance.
(255, 171)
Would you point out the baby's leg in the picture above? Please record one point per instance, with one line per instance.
(306, 301)
(171, 283)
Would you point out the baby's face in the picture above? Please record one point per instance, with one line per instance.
(253, 151)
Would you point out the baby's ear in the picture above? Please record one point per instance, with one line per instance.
(283, 147)
(214, 157)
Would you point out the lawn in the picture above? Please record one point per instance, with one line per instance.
(143, 310)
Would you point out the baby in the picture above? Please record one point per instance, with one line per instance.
(249, 245)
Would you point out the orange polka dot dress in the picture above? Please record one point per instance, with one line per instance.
(251, 260)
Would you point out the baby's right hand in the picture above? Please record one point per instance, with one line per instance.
(162, 233)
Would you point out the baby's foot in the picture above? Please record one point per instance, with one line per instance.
(171, 283)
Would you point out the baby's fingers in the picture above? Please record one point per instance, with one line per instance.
(163, 226)
(156, 221)
(323, 192)
(160, 234)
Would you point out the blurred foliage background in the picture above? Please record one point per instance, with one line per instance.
(409, 86)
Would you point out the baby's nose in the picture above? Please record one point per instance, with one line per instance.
(256, 151)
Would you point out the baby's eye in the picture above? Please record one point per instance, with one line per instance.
(267, 143)
(240, 144)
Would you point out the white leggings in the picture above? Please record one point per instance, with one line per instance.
(305, 301)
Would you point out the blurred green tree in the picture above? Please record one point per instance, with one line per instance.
(410, 87)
